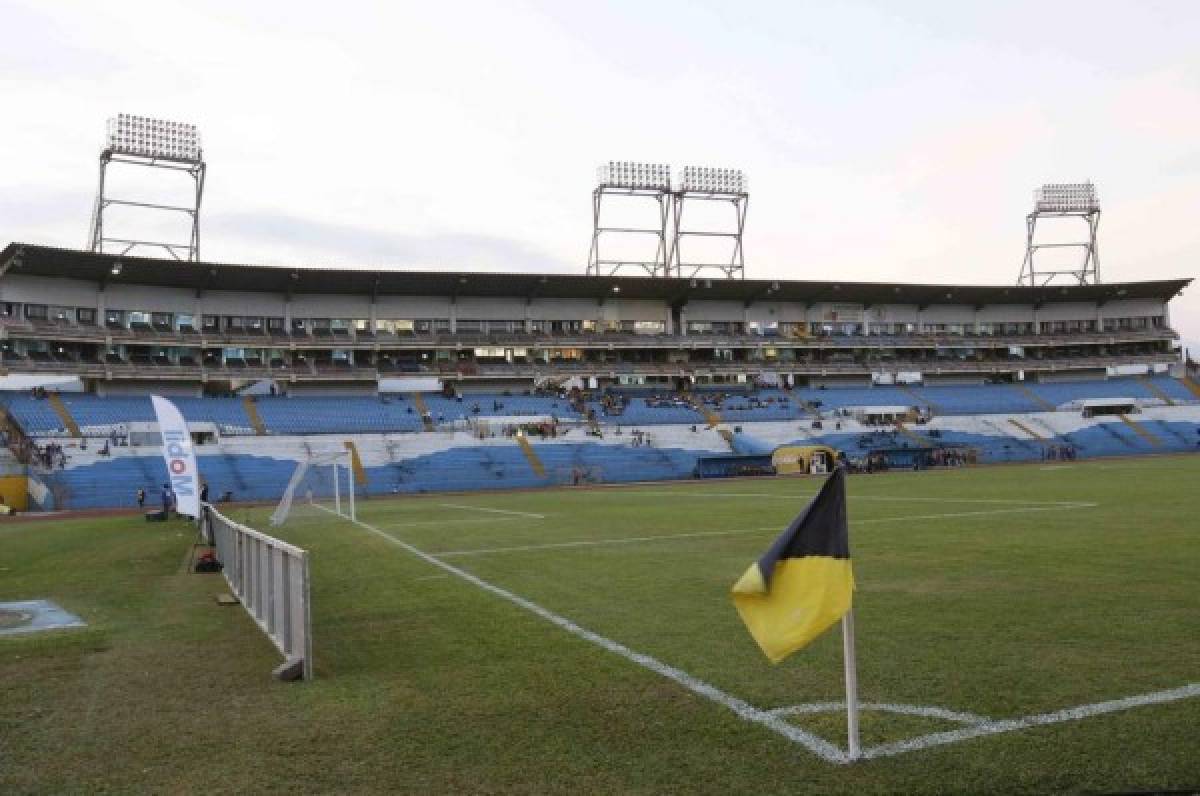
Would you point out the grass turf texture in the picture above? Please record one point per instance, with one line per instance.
(425, 682)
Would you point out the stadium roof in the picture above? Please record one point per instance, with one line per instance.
(34, 260)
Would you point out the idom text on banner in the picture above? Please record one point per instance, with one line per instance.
(179, 456)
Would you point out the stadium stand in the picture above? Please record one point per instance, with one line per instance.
(461, 381)
(257, 468)
(1068, 392)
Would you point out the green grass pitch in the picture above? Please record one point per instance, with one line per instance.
(1000, 592)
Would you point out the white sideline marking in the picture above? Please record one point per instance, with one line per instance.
(744, 710)
(493, 511)
(740, 531)
(1036, 720)
(885, 707)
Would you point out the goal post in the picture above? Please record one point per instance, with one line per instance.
(318, 479)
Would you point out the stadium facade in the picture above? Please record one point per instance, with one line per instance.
(411, 367)
(113, 320)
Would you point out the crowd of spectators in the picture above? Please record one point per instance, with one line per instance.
(878, 439)
(638, 438)
(1058, 453)
(741, 402)
(546, 430)
(614, 404)
(883, 461)
(47, 457)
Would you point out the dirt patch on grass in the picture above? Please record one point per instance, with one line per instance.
(13, 618)
(81, 514)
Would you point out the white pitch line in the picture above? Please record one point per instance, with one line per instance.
(740, 531)
(771, 718)
(1037, 720)
(954, 514)
(493, 511)
(929, 711)
(852, 498)
(743, 710)
(599, 542)
(402, 525)
(990, 501)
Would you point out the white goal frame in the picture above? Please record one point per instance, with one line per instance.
(335, 460)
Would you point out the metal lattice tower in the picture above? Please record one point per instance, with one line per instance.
(1062, 200)
(625, 181)
(158, 144)
(704, 184)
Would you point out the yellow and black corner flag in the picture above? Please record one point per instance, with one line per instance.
(803, 584)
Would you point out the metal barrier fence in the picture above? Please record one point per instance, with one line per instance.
(270, 578)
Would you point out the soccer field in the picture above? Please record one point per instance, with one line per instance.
(1019, 628)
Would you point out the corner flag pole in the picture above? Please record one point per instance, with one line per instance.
(853, 749)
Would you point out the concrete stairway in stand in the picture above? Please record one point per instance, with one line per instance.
(1025, 428)
(423, 409)
(918, 400)
(1037, 399)
(531, 455)
(1141, 431)
(252, 415)
(710, 416)
(1156, 390)
(360, 472)
(64, 414)
(912, 435)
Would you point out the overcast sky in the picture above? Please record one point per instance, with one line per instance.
(882, 141)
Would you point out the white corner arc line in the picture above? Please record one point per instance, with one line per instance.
(1037, 720)
(744, 710)
(929, 711)
(465, 507)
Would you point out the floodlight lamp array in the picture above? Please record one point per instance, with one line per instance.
(156, 138)
(706, 179)
(1066, 198)
(631, 174)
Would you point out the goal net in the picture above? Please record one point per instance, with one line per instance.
(322, 481)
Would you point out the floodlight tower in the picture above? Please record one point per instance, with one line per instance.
(625, 181)
(152, 143)
(1062, 200)
(706, 184)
